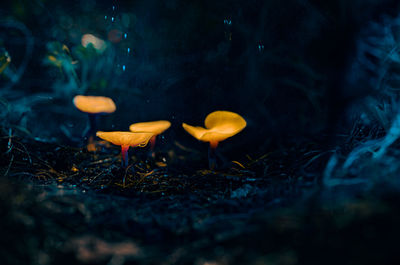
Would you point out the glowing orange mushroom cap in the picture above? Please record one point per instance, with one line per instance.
(155, 127)
(125, 138)
(220, 125)
(94, 104)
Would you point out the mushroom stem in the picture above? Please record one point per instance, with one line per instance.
(93, 124)
(124, 153)
(91, 128)
(212, 157)
(153, 142)
(213, 145)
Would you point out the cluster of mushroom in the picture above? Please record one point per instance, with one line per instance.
(140, 134)
(219, 125)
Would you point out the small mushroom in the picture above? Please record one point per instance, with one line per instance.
(154, 127)
(93, 106)
(125, 140)
(219, 125)
(98, 44)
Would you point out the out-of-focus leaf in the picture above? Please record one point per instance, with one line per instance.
(59, 56)
(5, 60)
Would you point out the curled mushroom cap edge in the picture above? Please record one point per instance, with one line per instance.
(219, 125)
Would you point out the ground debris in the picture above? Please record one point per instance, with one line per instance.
(77, 207)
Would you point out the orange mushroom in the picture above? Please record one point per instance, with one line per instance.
(154, 127)
(219, 125)
(93, 106)
(125, 140)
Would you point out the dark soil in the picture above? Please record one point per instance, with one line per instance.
(64, 205)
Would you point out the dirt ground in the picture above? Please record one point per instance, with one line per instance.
(65, 205)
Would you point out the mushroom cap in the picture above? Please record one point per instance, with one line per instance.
(99, 44)
(94, 104)
(220, 125)
(125, 138)
(154, 127)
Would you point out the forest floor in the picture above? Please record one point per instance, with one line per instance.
(64, 205)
